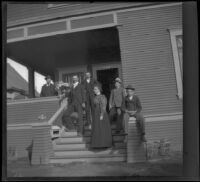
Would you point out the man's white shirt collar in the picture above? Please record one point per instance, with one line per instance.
(131, 97)
(75, 84)
(88, 80)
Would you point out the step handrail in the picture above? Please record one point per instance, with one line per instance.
(59, 112)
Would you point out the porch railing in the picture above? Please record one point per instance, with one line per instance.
(42, 136)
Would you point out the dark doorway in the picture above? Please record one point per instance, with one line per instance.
(106, 78)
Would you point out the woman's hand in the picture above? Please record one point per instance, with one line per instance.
(101, 117)
(119, 111)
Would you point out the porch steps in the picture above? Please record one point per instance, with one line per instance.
(72, 148)
(86, 139)
(88, 158)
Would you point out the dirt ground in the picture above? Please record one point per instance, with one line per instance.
(166, 166)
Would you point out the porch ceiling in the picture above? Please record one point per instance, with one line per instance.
(47, 53)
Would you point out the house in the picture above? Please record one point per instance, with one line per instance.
(17, 86)
(139, 42)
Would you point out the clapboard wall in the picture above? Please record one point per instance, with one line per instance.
(171, 130)
(21, 115)
(26, 13)
(27, 111)
(147, 59)
(19, 139)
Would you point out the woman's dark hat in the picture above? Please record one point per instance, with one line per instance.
(130, 87)
(47, 77)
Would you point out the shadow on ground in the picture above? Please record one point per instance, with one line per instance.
(170, 166)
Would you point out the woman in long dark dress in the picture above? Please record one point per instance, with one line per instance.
(101, 129)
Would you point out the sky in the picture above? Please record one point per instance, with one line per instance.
(23, 71)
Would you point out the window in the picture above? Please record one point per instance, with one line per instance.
(177, 49)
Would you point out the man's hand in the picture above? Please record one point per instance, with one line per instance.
(83, 105)
(119, 111)
(101, 117)
(132, 112)
(110, 107)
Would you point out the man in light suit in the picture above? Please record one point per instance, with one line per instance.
(115, 104)
(75, 106)
(48, 89)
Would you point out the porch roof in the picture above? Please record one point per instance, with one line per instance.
(47, 53)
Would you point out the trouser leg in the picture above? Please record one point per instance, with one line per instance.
(79, 110)
(125, 122)
(112, 114)
(140, 122)
(66, 119)
(119, 121)
(88, 112)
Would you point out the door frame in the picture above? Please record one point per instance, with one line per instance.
(104, 66)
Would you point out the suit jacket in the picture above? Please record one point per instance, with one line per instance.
(89, 88)
(116, 97)
(48, 91)
(132, 105)
(77, 95)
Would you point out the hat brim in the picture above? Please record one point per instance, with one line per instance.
(128, 88)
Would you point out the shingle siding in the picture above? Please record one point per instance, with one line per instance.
(147, 60)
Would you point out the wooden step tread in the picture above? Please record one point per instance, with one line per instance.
(68, 135)
(80, 141)
(65, 148)
(88, 156)
(75, 146)
(89, 160)
(90, 152)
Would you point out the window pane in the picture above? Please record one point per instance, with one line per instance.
(179, 41)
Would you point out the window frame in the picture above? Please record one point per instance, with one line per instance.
(178, 72)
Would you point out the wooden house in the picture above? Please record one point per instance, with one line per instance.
(140, 42)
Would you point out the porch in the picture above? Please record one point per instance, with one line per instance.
(63, 55)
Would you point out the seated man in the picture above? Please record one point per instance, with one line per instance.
(132, 107)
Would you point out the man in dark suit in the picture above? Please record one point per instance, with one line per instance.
(48, 89)
(88, 85)
(132, 108)
(75, 106)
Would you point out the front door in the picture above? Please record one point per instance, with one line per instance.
(106, 77)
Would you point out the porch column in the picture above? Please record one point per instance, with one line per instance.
(31, 82)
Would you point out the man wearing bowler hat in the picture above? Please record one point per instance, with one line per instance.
(115, 103)
(132, 107)
(48, 89)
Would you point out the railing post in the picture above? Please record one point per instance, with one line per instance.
(42, 144)
(135, 148)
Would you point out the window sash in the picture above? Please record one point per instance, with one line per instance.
(177, 62)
